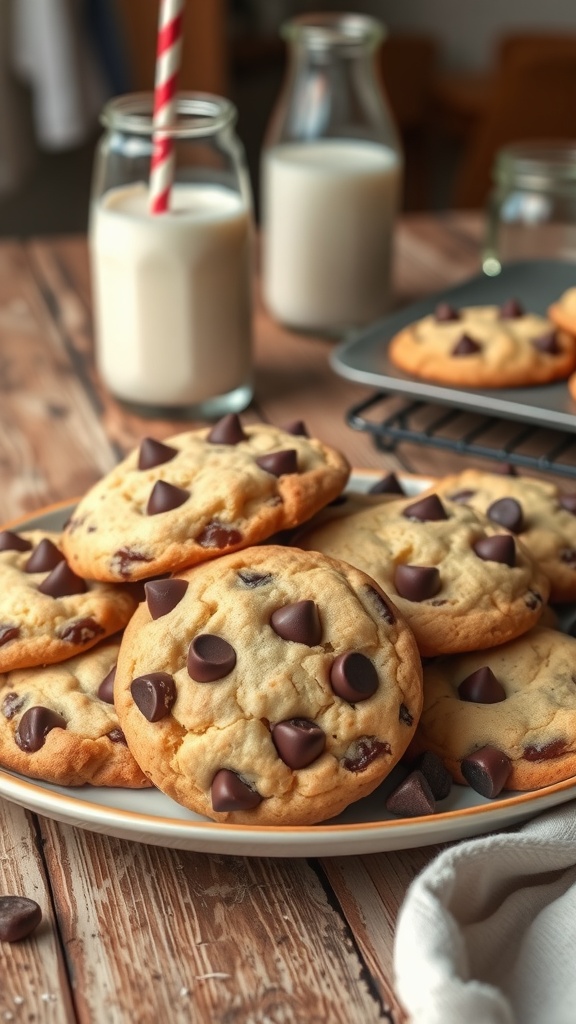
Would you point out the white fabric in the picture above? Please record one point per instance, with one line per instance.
(487, 932)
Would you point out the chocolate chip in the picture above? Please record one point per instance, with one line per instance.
(382, 607)
(547, 343)
(363, 752)
(162, 596)
(568, 502)
(429, 509)
(154, 695)
(210, 658)
(500, 548)
(44, 557)
(546, 752)
(482, 687)
(461, 497)
(353, 677)
(417, 582)
(298, 741)
(436, 774)
(486, 770)
(511, 309)
(124, 559)
(389, 484)
(117, 736)
(412, 798)
(106, 688)
(19, 916)
(279, 463)
(533, 599)
(154, 453)
(217, 535)
(8, 633)
(13, 542)
(297, 428)
(568, 555)
(444, 312)
(80, 632)
(507, 512)
(62, 582)
(228, 430)
(12, 704)
(299, 622)
(34, 727)
(404, 715)
(253, 579)
(165, 497)
(229, 792)
(466, 346)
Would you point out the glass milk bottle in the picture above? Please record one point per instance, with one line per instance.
(172, 291)
(331, 179)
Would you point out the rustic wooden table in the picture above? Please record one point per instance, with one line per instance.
(136, 933)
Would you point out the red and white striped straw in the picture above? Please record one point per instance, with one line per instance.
(168, 55)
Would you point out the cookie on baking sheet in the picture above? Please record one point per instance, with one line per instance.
(484, 347)
(58, 723)
(200, 495)
(563, 312)
(539, 513)
(504, 718)
(461, 581)
(47, 612)
(272, 686)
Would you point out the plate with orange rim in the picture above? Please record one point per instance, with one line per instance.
(148, 816)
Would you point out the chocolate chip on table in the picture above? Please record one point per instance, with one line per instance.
(298, 741)
(279, 463)
(228, 430)
(162, 596)
(511, 309)
(486, 770)
(8, 633)
(298, 622)
(507, 512)
(19, 916)
(154, 453)
(210, 657)
(435, 772)
(154, 695)
(217, 535)
(165, 497)
(499, 548)
(62, 582)
(229, 792)
(417, 582)
(297, 428)
(482, 687)
(106, 688)
(466, 346)
(429, 509)
(363, 752)
(412, 798)
(34, 727)
(444, 312)
(353, 677)
(547, 343)
(568, 502)
(389, 484)
(44, 557)
(10, 541)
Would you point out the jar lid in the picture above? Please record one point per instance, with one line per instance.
(540, 165)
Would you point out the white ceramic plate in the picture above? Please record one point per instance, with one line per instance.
(148, 816)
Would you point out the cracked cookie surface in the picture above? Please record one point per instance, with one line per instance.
(273, 686)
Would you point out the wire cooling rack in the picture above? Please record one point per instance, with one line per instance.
(393, 422)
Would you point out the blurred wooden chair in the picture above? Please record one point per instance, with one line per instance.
(532, 96)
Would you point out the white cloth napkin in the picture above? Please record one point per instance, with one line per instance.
(487, 932)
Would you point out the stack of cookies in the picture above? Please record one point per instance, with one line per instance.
(218, 621)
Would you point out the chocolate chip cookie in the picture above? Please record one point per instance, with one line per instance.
(504, 718)
(270, 687)
(563, 311)
(58, 723)
(484, 347)
(461, 582)
(200, 495)
(47, 612)
(540, 514)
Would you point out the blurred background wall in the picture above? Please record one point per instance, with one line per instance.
(452, 69)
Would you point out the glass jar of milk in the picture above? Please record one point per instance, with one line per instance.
(331, 179)
(172, 291)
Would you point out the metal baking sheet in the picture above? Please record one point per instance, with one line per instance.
(536, 284)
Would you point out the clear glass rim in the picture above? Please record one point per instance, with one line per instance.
(322, 30)
(537, 163)
(197, 114)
